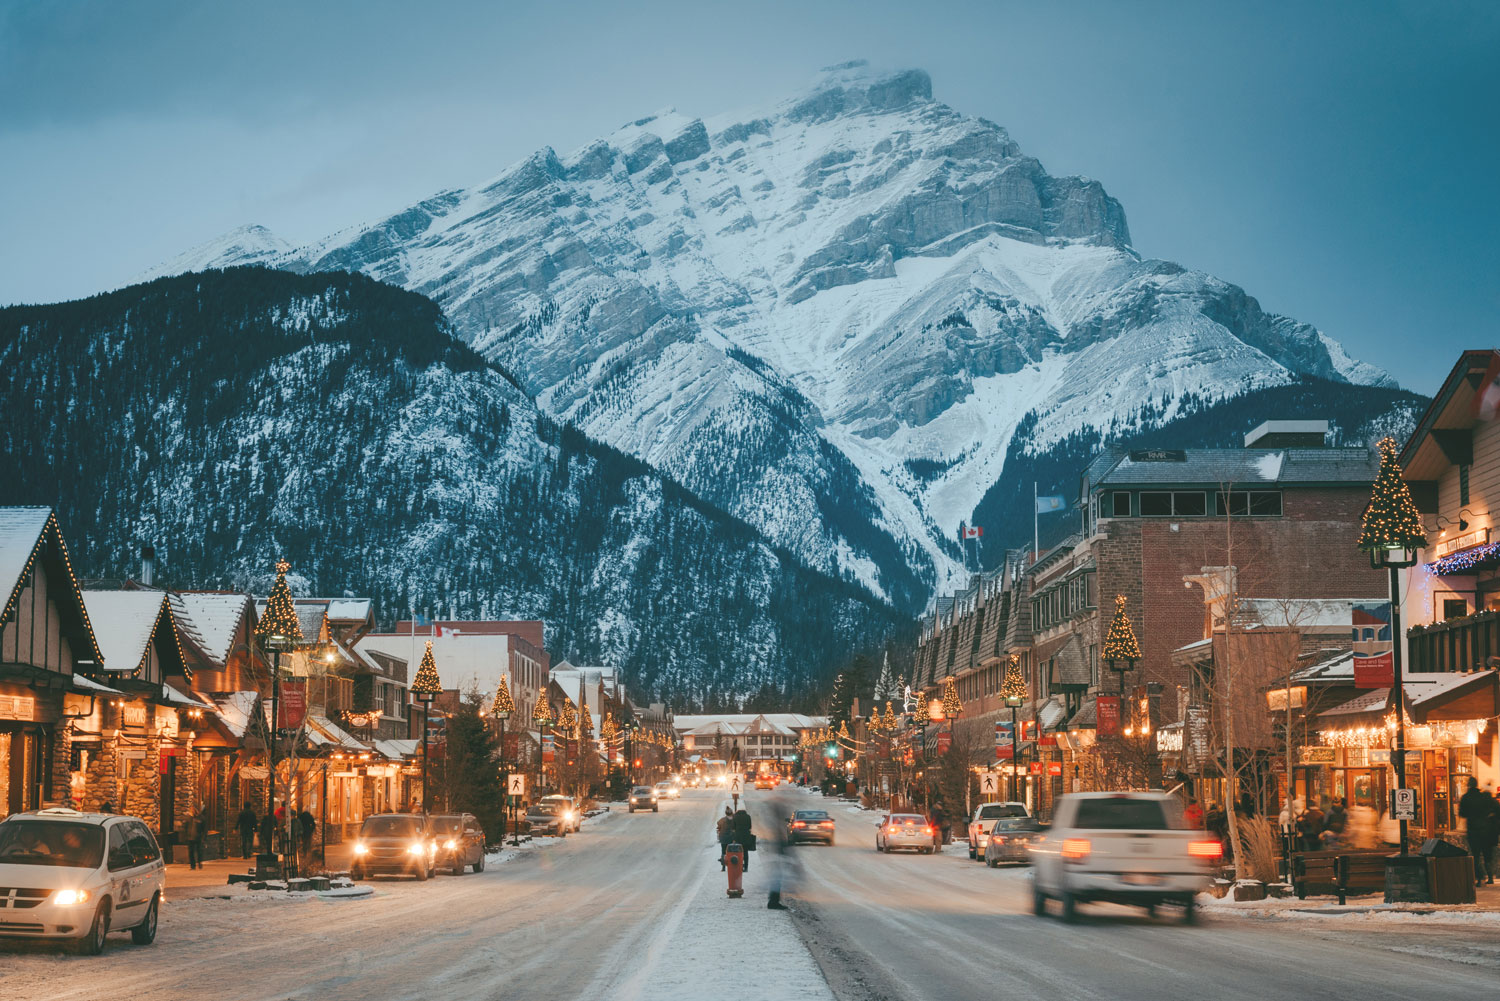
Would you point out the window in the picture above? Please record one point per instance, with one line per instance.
(1265, 504)
(1455, 608)
(1248, 504)
(1094, 665)
(1190, 504)
(1156, 504)
(119, 852)
(1463, 486)
(1120, 503)
(142, 845)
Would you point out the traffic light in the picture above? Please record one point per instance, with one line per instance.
(638, 762)
(832, 750)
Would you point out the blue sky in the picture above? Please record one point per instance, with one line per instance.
(1338, 160)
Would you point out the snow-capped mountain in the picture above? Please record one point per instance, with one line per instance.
(238, 416)
(827, 317)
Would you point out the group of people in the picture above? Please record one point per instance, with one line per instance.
(734, 828)
(1481, 817)
(272, 828)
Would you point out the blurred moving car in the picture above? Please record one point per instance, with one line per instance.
(666, 790)
(394, 844)
(643, 797)
(765, 781)
(460, 842)
(809, 825)
(571, 814)
(1009, 840)
(906, 830)
(543, 817)
(1121, 847)
(985, 815)
(73, 876)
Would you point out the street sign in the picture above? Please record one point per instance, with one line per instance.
(1405, 804)
(515, 785)
(989, 784)
(736, 785)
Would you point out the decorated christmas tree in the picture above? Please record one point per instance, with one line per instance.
(1013, 685)
(504, 706)
(278, 627)
(426, 681)
(953, 707)
(1120, 644)
(920, 713)
(1391, 521)
(542, 714)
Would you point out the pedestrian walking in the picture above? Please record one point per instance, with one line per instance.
(1482, 819)
(1310, 826)
(246, 823)
(1334, 824)
(742, 834)
(192, 835)
(306, 825)
(267, 834)
(725, 831)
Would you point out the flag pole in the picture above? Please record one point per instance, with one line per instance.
(1036, 526)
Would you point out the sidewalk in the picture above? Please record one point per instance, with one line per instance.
(1485, 909)
(212, 880)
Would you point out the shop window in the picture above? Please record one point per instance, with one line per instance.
(1175, 503)
(1248, 504)
(1455, 608)
(1156, 504)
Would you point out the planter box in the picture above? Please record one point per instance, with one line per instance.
(1249, 890)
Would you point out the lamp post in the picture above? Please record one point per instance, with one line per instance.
(501, 710)
(426, 687)
(542, 717)
(1392, 533)
(1013, 690)
(278, 631)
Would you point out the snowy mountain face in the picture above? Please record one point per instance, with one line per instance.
(234, 417)
(829, 317)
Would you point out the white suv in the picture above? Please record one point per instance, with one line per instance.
(76, 877)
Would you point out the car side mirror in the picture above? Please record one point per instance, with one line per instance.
(121, 858)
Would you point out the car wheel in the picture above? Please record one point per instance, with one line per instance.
(1189, 912)
(972, 853)
(1069, 908)
(830, 842)
(421, 874)
(92, 943)
(458, 868)
(992, 863)
(1039, 903)
(655, 810)
(479, 864)
(145, 932)
(632, 809)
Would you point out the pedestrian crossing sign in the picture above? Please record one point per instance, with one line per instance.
(736, 785)
(989, 784)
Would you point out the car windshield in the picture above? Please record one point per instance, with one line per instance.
(391, 826)
(543, 808)
(1015, 824)
(998, 810)
(50, 842)
(447, 825)
(642, 791)
(908, 819)
(810, 815)
(1123, 814)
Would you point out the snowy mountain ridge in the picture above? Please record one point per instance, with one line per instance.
(789, 311)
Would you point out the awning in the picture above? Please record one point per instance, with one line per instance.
(1448, 697)
(397, 750)
(323, 732)
(1051, 714)
(1084, 718)
(1367, 708)
(1069, 666)
(172, 697)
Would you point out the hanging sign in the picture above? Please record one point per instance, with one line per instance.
(1035, 768)
(19, 707)
(1054, 768)
(944, 741)
(1107, 715)
(1004, 752)
(1377, 671)
(292, 708)
(548, 751)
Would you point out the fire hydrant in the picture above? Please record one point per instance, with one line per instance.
(734, 863)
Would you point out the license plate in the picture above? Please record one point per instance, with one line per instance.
(1140, 879)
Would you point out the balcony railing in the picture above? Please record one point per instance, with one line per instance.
(1461, 644)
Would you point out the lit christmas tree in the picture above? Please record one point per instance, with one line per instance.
(1013, 685)
(279, 627)
(953, 707)
(888, 722)
(426, 681)
(504, 706)
(921, 712)
(568, 719)
(1120, 644)
(1391, 521)
(542, 714)
(607, 730)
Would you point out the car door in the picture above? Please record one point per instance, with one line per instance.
(144, 873)
(473, 840)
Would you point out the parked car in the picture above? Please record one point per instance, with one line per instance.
(1010, 839)
(570, 810)
(76, 877)
(906, 830)
(395, 844)
(460, 842)
(666, 790)
(543, 817)
(809, 825)
(1121, 847)
(642, 798)
(985, 815)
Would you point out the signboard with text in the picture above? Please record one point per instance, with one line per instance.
(1376, 671)
(944, 741)
(292, 708)
(1107, 715)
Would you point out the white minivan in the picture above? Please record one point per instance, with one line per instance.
(76, 877)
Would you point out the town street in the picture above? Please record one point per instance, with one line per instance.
(634, 907)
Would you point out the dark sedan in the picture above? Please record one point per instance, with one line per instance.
(1011, 839)
(809, 825)
(547, 818)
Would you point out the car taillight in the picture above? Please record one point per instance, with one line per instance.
(798, 823)
(892, 829)
(932, 832)
(1209, 851)
(826, 823)
(1076, 848)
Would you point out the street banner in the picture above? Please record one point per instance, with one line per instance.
(1004, 752)
(547, 747)
(944, 741)
(1378, 671)
(292, 708)
(1107, 715)
(1002, 733)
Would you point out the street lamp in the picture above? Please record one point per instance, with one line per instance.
(279, 630)
(1120, 645)
(501, 710)
(1392, 533)
(1013, 690)
(426, 687)
(542, 717)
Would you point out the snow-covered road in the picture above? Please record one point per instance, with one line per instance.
(918, 927)
(633, 907)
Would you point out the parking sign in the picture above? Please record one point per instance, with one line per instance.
(1405, 804)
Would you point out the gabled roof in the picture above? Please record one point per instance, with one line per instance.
(1241, 467)
(125, 622)
(1455, 407)
(23, 533)
(215, 619)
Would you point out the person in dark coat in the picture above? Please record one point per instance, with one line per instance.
(192, 836)
(306, 825)
(725, 831)
(742, 825)
(267, 833)
(1310, 826)
(1482, 818)
(1334, 824)
(246, 823)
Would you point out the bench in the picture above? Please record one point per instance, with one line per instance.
(1338, 872)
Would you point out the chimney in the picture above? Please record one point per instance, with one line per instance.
(1289, 434)
(148, 564)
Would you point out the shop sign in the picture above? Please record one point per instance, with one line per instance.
(18, 707)
(1169, 741)
(1054, 768)
(1317, 755)
(166, 722)
(1276, 698)
(1376, 671)
(1035, 768)
(1379, 756)
(135, 714)
(1446, 547)
(1004, 751)
(1107, 715)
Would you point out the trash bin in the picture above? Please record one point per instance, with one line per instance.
(1450, 872)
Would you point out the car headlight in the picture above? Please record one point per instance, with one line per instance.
(67, 898)
(360, 848)
(450, 845)
(414, 850)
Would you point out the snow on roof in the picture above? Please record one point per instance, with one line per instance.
(323, 732)
(1337, 666)
(86, 684)
(397, 749)
(349, 609)
(20, 530)
(1372, 701)
(123, 624)
(790, 721)
(172, 696)
(234, 711)
(1423, 688)
(215, 618)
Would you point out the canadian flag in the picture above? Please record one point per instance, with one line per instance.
(972, 531)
